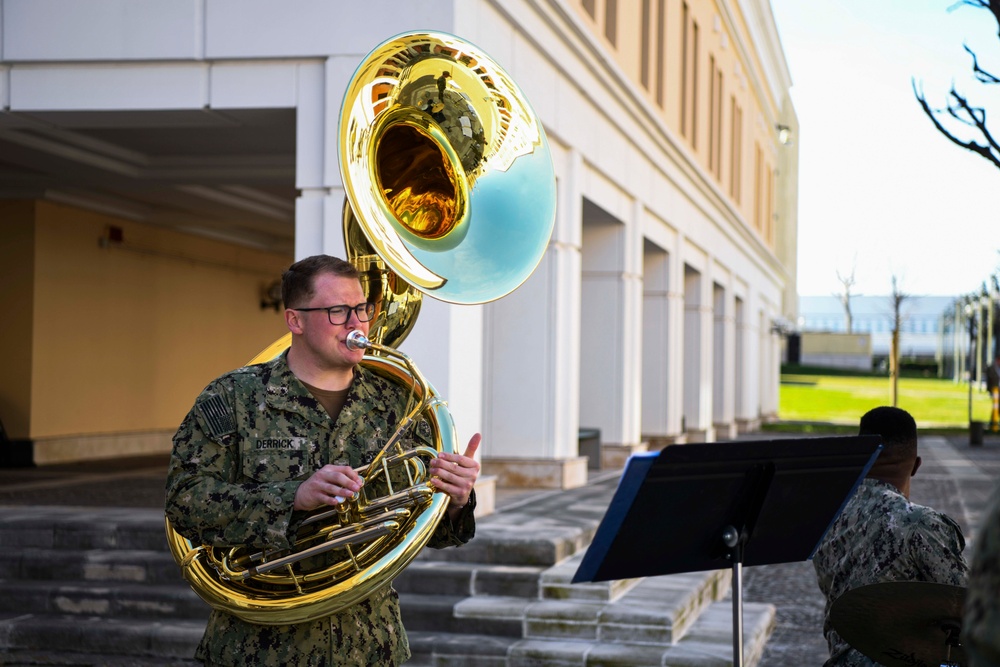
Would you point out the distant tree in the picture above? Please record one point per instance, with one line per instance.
(896, 301)
(959, 111)
(846, 283)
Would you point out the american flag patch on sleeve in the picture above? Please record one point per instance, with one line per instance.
(217, 415)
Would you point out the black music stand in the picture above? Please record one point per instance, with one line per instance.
(711, 506)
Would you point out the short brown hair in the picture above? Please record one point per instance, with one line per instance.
(298, 280)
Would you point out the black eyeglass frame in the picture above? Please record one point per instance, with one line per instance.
(365, 312)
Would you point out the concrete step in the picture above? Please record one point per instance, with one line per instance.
(441, 649)
(34, 658)
(468, 579)
(101, 582)
(653, 611)
(709, 643)
(54, 527)
(513, 538)
(556, 584)
(103, 600)
(136, 638)
(545, 530)
(89, 565)
(71, 640)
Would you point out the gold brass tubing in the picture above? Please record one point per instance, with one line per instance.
(385, 528)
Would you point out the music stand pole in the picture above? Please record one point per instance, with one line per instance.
(732, 539)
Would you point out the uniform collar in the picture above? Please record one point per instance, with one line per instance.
(285, 391)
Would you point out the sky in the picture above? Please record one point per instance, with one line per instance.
(881, 192)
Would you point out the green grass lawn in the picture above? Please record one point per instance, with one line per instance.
(842, 399)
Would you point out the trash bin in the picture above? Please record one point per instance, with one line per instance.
(590, 446)
(976, 430)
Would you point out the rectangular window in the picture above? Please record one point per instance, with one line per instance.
(611, 21)
(684, 68)
(770, 206)
(661, 30)
(711, 110)
(646, 26)
(694, 84)
(718, 125)
(758, 201)
(736, 151)
(714, 118)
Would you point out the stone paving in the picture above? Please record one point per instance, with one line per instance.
(955, 478)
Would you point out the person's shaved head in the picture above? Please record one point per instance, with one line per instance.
(898, 460)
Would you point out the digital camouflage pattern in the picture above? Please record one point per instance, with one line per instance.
(881, 536)
(981, 623)
(239, 456)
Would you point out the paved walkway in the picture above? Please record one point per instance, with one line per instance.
(954, 478)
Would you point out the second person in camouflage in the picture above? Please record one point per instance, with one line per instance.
(881, 536)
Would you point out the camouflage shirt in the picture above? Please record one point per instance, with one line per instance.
(239, 456)
(981, 624)
(881, 536)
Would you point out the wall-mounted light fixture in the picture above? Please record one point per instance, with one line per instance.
(270, 296)
(781, 326)
(784, 135)
(113, 236)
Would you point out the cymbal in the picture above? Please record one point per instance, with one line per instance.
(902, 623)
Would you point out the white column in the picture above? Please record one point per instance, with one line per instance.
(446, 345)
(656, 344)
(745, 416)
(695, 342)
(771, 371)
(707, 353)
(318, 209)
(724, 362)
(631, 334)
(611, 322)
(676, 386)
(532, 359)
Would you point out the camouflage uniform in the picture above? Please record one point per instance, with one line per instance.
(881, 536)
(239, 456)
(981, 626)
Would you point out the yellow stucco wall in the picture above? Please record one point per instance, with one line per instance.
(126, 335)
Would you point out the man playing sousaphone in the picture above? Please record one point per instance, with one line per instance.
(266, 443)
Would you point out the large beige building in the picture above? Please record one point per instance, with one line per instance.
(162, 162)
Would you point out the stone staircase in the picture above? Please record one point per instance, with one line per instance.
(99, 587)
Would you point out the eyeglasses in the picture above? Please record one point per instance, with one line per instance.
(340, 314)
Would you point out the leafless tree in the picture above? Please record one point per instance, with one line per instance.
(959, 111)
(846, 283)
(896, 302)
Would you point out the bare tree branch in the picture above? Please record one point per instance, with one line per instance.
(981, 75)
(992, 6)
(847, 282)
(958, 108)
(981, 149)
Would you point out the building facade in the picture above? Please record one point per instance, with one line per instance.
(162, 162)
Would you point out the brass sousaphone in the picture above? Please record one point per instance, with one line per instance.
(450, 190)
